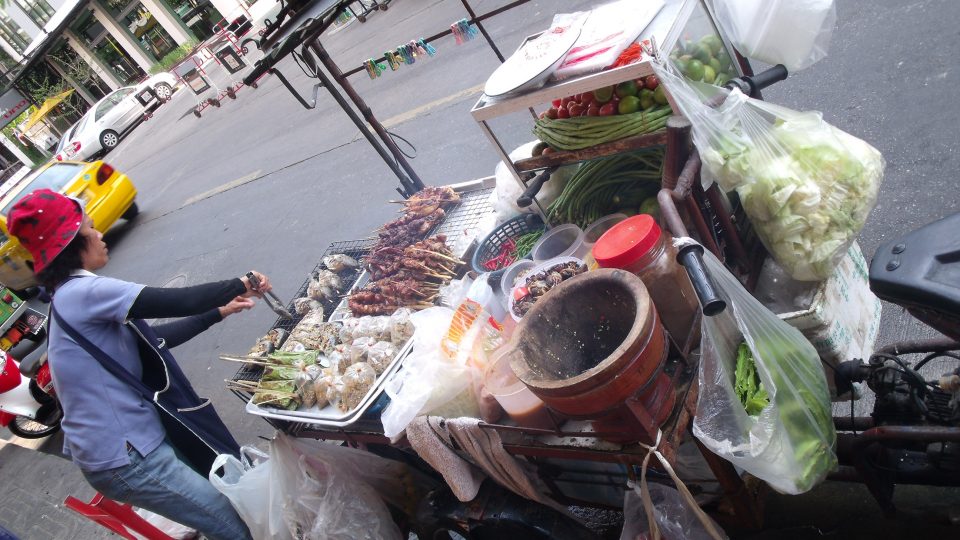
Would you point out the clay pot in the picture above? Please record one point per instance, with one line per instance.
(592, 344)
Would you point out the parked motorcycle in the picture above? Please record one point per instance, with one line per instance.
(28, 403)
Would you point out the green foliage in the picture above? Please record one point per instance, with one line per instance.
(33, 153)
(173, 57)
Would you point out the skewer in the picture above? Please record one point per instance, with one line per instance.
(439, 255)
(258, 360)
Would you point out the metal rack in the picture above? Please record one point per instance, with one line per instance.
(664, 31)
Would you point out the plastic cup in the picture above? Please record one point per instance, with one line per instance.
(520, 404)
(510, 276)
(596, 229)
(561, 241)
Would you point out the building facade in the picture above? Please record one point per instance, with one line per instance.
(101, 45)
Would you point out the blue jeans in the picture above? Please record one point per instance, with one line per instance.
(162, 484)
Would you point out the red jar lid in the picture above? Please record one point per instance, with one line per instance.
(626, 242)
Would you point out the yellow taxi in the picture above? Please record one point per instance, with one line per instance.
(107, 195)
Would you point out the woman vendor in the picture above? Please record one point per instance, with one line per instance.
(132, 422)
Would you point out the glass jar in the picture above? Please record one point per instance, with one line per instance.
(638, 245)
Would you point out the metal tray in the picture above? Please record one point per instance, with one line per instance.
(331, 415)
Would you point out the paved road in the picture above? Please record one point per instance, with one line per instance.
(262, 183)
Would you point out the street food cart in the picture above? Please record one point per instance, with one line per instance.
(590, 439)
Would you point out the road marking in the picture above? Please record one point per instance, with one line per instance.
(220, 189)
(413, 113)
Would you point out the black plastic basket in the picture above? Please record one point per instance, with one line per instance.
(490, 246)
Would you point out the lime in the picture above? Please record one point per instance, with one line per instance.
(702, 54)
(603, 95)
(709, 75)
(629, 104)
(715, 64)
(627, 88)
(712, 42)
(695, 70)
(722, 78)
(659, 96)
(681, 65)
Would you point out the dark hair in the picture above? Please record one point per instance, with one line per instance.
(64, 263)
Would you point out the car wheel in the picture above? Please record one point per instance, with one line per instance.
(163, 91)
(109, 139)
(131, 212)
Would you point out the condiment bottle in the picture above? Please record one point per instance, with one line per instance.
(638, 245)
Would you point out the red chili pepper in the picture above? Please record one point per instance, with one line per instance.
(502, 259)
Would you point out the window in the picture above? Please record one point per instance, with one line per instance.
(39, 11)
(54, 178)
(106, 107)
(13, 34)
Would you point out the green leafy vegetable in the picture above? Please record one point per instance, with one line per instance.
(747, 383)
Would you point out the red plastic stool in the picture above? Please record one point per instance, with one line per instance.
(119, 518)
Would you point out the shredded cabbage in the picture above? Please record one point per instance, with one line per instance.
(806, 186)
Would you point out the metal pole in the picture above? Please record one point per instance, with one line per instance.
(473, 17)
(408, 187)
(335, 72)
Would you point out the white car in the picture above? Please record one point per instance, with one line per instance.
(163, 84)
(101, 128)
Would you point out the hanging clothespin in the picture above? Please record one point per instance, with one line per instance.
(429, 48)
(410, 54)
(455, 28)
(472, 31)
(392, 60)
(371, 69)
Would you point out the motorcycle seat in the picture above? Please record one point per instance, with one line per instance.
(922, 269)
(31, 364)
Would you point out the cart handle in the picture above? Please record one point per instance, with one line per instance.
(753, 84)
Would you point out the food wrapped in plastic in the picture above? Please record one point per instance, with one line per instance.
(380, 354)
(335, 390)
(360, 348)
(314, 334)
(377, 327)
(401, 327)
(356, 381)
(303, 385)
(321, 389)
(305, 305)
(339, 358)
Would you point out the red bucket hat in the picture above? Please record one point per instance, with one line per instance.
(44, 222)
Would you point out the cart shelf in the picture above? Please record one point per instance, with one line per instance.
(558, 159)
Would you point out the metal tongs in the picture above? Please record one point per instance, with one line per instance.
(269, 297)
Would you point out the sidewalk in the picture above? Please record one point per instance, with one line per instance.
(35, 483)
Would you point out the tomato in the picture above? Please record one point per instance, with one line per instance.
(565, 102)
(520, 293)
(555, 103)
(608, 109)
(593, 110)
(576, 109)
(652, 82)
(563, 113)
(551, 113)
(587, 98)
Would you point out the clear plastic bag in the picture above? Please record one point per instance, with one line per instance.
(675, 519)
(789, 443)
(380, 355)
(376, 327)
(795, 33)
(429, 381)
(359, 349)
(327, 492)
(401, 328)
(806, 186)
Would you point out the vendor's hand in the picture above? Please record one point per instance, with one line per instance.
(236, 305)
(263, 287)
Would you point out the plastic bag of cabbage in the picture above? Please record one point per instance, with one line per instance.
(806, 186)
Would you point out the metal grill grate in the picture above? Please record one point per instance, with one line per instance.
(461, 222)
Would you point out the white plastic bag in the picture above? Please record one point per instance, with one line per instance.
(675, 519)
(789, 443)
(508, 190)
(430, 380)
(795, 33)
(166, 526)
(806, 186)
(246, 484)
